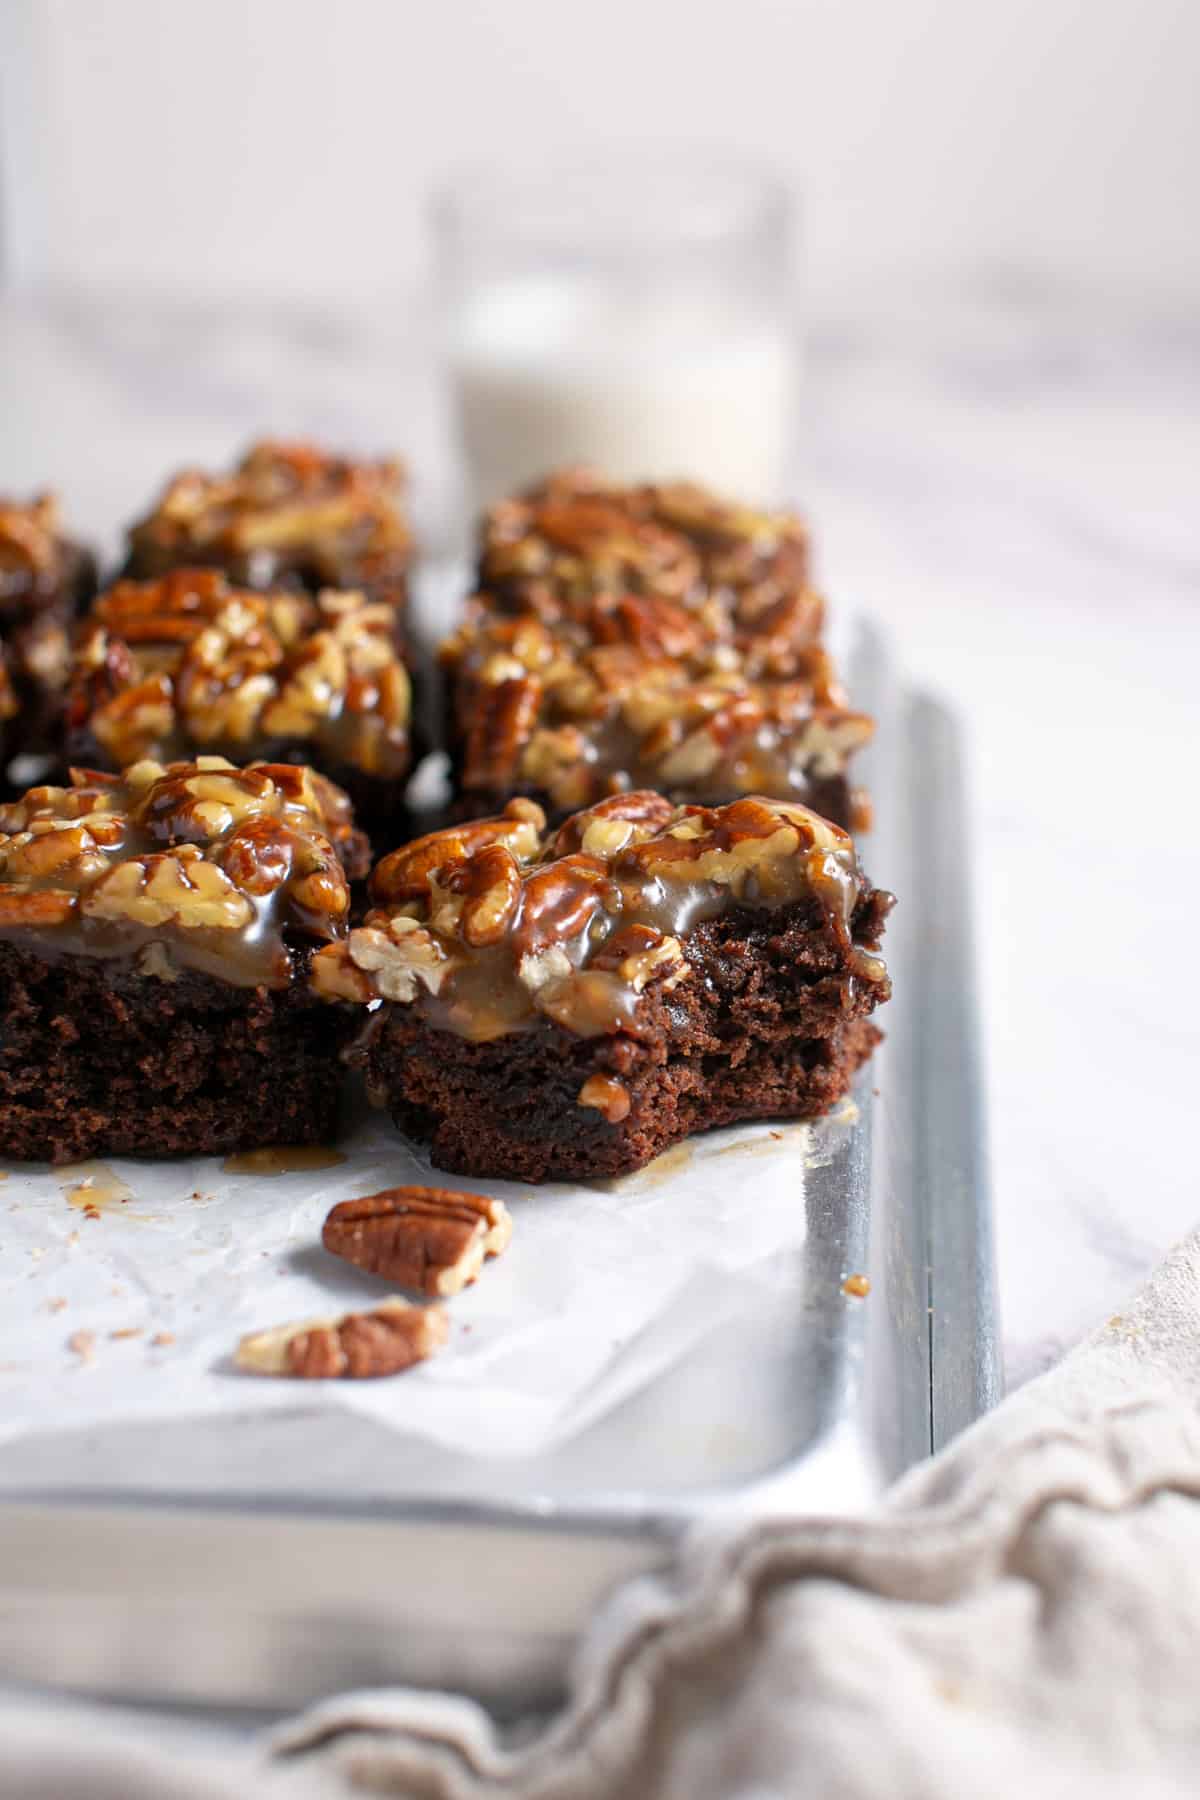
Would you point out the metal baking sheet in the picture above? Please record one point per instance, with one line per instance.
(291, 1557)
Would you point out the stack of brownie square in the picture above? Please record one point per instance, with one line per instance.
(162, 896)
(262, 615)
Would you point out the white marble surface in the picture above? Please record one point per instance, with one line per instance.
(1010, 476)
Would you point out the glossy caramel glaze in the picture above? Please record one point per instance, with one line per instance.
(287, 513)
(35, 558)
(628, 694)
(195, 866)
(741, 574)
(164, 668)
(494, 926)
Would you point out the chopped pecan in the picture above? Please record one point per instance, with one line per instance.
(30, 535)
(504, 715)
(406, 873)
(607, 1095)
(579, 709)
(433, 1240)
(643, 811)
(191, 847)
(293, 502)
(389, 958)
(650, 623)
(640, 954)
(190, 660)
(484, 941)
(490, 884)
(36, 907)
(578, 540)
(560, 902)
(168, 889)
(357, 1346)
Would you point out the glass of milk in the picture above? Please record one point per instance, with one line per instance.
(635, 312)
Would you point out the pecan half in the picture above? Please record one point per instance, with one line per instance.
(607, 1095)
(34, 906)
(357, 1346)
(433, 1240)
(406, 874)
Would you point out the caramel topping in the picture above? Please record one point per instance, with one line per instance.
(30, 534)
(579, 709)
(285, 509)
(32, 549)
(165, 667)
(740, 574)
(282, 1159)
(10, 706)
(490, 928)
(197, 865)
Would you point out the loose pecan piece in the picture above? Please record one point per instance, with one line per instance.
(357, 1346)
(433, 1240)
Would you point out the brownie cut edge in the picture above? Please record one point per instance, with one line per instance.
(531, 1015)
(155, 934)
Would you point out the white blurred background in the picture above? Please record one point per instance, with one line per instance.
(286, 147)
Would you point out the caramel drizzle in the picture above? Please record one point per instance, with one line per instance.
(553, 551)
(224, 864)
(164, 667)
(539, 710)
(592, 921)
(283, 506)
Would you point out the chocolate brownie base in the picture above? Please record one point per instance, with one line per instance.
(774, 1027)
(99, 1060)
(517, 1114)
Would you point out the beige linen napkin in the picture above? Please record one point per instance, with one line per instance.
(1022, 1614)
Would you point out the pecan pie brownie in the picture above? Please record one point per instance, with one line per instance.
(627, 695)
(163, 669)
(647, 636)
(288, 515)
(741, 574)
(156, 930)
(44, 581)
(567, 1005)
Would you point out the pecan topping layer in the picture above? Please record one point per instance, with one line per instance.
(357, 1346)
(433, 1240)
(30, 542)
(188, 662)
(739, 574)
(198, 864)
(492, 927)
(582, 708)
(286, 511)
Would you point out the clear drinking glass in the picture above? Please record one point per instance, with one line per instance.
(637, 313)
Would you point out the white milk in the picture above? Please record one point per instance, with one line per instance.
(551, 370)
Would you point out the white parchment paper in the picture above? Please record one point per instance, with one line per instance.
(135, 1313)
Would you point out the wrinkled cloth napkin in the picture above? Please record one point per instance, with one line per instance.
(1020, 1614)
